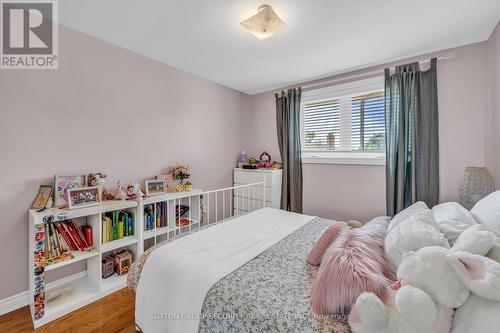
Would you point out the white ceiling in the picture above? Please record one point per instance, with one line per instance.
(323, 37)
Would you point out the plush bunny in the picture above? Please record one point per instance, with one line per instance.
(434, 281)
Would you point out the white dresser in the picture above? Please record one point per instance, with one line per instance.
(254, 195)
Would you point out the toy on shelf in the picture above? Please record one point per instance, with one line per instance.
(108, 267)
(123, 260)
(265, 158)
(134, 191)
(263, 163)
(120, 193)
(276, 165)
(99, 179)
(131, 193)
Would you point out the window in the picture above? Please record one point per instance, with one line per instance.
(344, 124)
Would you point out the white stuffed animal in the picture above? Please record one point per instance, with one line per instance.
(434, 281)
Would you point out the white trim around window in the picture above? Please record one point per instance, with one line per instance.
(352, 158)
(343, 93)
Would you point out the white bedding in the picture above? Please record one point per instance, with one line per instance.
(177, 276)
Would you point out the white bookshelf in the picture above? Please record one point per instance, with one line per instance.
(192, 199)
(88, 286)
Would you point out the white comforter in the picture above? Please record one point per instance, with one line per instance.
(177, 276)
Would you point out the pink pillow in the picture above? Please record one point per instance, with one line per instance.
(324, 241)
(353, 264)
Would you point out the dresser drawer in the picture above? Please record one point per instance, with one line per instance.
(249, 177)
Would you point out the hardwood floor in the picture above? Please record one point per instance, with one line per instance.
(114, 313)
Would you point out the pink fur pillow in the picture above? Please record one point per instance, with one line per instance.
(324, 241)
(354, 263)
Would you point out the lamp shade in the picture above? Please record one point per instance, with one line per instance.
(475, 185)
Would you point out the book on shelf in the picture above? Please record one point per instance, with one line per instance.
(149, 222)
(161, 214)
(180, 211)
(117, 225)
(61, 238)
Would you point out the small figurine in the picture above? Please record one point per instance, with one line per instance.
(265, 161)
(134, 191)
(265, 158)
(120, 193)
(137, 190)
(130, 193)
(99, 179)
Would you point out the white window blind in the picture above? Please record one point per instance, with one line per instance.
(345, 119)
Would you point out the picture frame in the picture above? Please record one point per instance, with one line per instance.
(169, 179)
(84, 197)
(155, 187)
(63, 183)
(43, 196)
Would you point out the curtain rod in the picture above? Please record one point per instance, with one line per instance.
(366, 75)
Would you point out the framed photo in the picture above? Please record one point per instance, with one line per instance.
(155, 186)
(84, 197)
(169, 179)
(63, 183)
(42, 197)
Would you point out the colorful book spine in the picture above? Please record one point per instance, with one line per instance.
(120, 229)
(117, 225)
(158, 214)
(66, 237)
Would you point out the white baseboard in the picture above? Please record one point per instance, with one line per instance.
(14, 302)
(17, 301)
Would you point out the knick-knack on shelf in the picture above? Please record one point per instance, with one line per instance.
(134, 191)
(243, 159)
(180, 187)
(120, 193)
(99, 179)
(130, 193)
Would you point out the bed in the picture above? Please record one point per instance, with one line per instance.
(264, 289)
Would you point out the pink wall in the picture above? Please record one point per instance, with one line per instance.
(358, 192)
(107, 109)
(493, 107)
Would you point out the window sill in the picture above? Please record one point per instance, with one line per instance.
(348, 158)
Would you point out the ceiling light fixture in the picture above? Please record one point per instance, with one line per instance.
(264, 24)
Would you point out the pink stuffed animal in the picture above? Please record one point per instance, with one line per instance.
(355, 262)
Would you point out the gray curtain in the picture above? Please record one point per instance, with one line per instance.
(411, 116)
(288, 123)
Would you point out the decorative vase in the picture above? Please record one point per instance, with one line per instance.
(180, 187)
(475, 185)
(242, 159)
